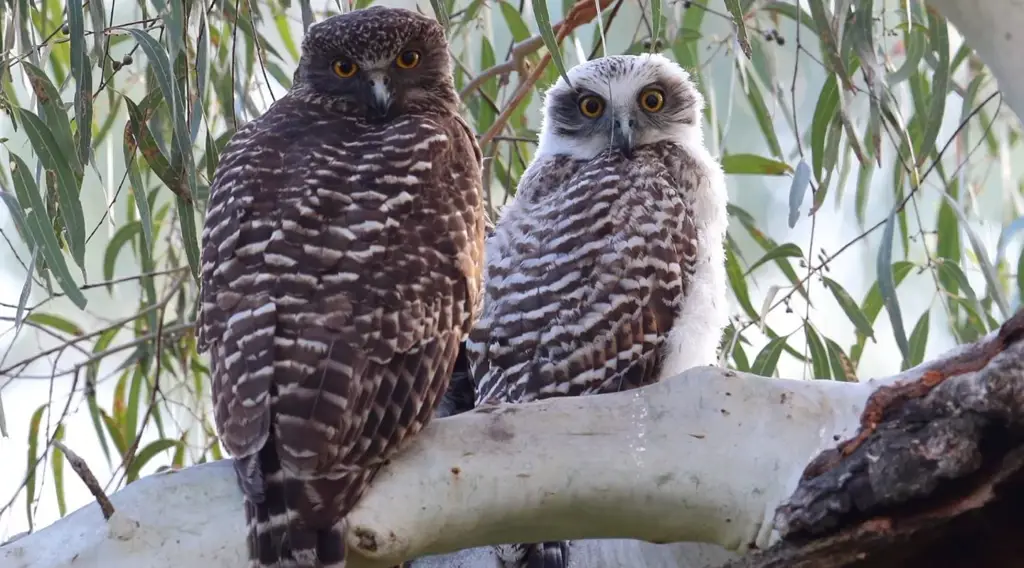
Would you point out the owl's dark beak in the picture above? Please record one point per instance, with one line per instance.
(380, 89)
(622, 137)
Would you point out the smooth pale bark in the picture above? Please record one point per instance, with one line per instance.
(703, 457)
(994, 29)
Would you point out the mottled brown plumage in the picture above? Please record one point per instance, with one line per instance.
(340, 271)
(606, 271)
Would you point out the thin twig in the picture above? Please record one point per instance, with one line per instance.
(87, 477)
(582, 12)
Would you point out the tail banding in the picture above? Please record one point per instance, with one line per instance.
(535, 555)
(298, 523)
(547, 555)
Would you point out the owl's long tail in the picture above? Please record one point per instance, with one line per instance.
(285, 529)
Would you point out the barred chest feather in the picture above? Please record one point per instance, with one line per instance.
(591, 269)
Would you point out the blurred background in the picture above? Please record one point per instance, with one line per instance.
(875, 197)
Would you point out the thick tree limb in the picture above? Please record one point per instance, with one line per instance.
(706, 456)
(703, 457)
(934, 478)
(993, 29)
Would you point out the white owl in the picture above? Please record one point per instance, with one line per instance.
(606, 271)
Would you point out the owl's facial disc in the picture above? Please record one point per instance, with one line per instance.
(620, 103)
(395, 61)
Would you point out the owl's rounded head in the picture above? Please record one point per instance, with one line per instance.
(621, 102)
(380, 61)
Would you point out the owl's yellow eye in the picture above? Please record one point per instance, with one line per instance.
(652, 100)
(408, 59)
(345, 69)
(591, 106)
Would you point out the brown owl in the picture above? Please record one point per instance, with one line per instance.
(341, 263)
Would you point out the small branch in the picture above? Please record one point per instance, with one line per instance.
(582, 12)
(87, 477)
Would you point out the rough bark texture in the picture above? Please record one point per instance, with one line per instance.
(935, 477)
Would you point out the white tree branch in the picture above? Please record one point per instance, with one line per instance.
(993, 29)
(706, 457)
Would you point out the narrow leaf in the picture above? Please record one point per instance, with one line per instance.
(842, 367)
(543, 17)
(918, 341)
(819, 356)
(68, 183)
(887, 286)
(781, 251)
(146, 454)
(42, 231)
(940, 86)
(81, 70)
(753, 164)
(56, 322)
(991, 278)
(741, 28)
(853, 311)
(797, 190)
(766, 361)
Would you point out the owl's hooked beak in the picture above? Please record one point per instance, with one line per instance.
(622, 136)
(380, 102)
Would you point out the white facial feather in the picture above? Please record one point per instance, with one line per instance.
(619, 80)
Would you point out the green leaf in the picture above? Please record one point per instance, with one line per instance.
(760, 109)
(824, 112)
(766, 361)
(68, 183)
(81, 70)
(949, 271)
(1020, 276)
(97, 14)
(148, 453)
(51, 107)
(991, 278)
(115, 433)
(797, 190)
(753, 164)
(543, 17)
(829, 45)
(57, 464)
(123, 235)
(18, 215)
(42, 232)
(33, 456)
(741, 27)
(19, 314)
(171, 93)
(918, 342)
(767, 244)
(781, 251)
(738, 283)
(819, 356)
(56, 322)
(655, 24)
(915, 41)
(514, 20)
(853, 312)
(940, 86)
(187, 218)
(887, 286)
(842, 367)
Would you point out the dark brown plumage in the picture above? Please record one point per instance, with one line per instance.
(340, 271)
